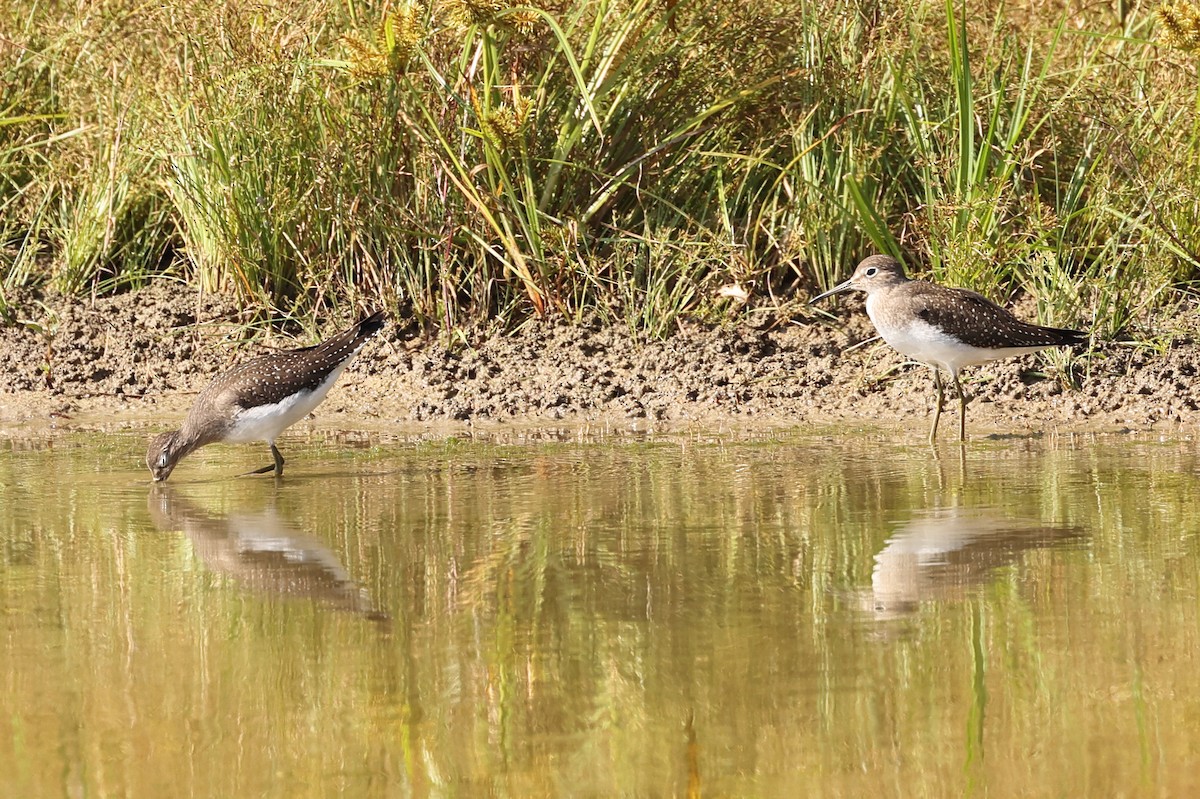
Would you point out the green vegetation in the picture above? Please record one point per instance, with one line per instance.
(465, 159)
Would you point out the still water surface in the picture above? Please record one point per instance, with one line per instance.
(796, 615)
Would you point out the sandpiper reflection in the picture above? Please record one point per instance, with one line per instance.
(262, 552)
(943, 553)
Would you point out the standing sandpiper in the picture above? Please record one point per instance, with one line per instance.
(259, 399)
(946, 328)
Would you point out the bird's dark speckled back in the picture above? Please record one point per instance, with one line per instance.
(272, 378)
(973, 319)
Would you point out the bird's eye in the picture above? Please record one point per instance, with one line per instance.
(162, 460)
(871, 272)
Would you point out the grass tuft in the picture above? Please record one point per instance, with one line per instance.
(1181, 25)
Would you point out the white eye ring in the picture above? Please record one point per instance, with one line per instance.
(162, 461)
(871, 271)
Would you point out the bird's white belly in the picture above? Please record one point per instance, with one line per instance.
(266, 422)
(923, 342)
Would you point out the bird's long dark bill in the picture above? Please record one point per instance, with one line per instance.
(840, 287)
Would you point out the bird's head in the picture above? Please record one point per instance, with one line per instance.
(873, 273)
(163, 454)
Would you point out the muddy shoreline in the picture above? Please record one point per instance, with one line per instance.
(143, 356)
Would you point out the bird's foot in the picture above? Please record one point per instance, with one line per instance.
(263, 470)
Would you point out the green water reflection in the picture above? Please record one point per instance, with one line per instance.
(682, 616)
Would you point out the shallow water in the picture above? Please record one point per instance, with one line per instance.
(683, 616)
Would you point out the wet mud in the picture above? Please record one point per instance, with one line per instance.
(145, 354)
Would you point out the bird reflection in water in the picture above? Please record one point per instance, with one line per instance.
(942, 554)
(262, 552)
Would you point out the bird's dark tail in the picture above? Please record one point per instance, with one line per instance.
(351, 340)
(1065, 337)
(371, 325)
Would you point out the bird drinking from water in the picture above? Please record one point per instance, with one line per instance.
(259, 399)
(945, 328)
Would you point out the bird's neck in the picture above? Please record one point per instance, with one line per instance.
(191, 436)
(878, 299)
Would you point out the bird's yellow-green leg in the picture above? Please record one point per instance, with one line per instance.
(276, 467)
(962, 410)
(937, 405)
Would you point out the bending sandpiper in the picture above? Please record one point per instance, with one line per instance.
(945, 328)
(259, 399)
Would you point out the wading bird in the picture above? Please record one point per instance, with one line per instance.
(945, 328)
(259, 399)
